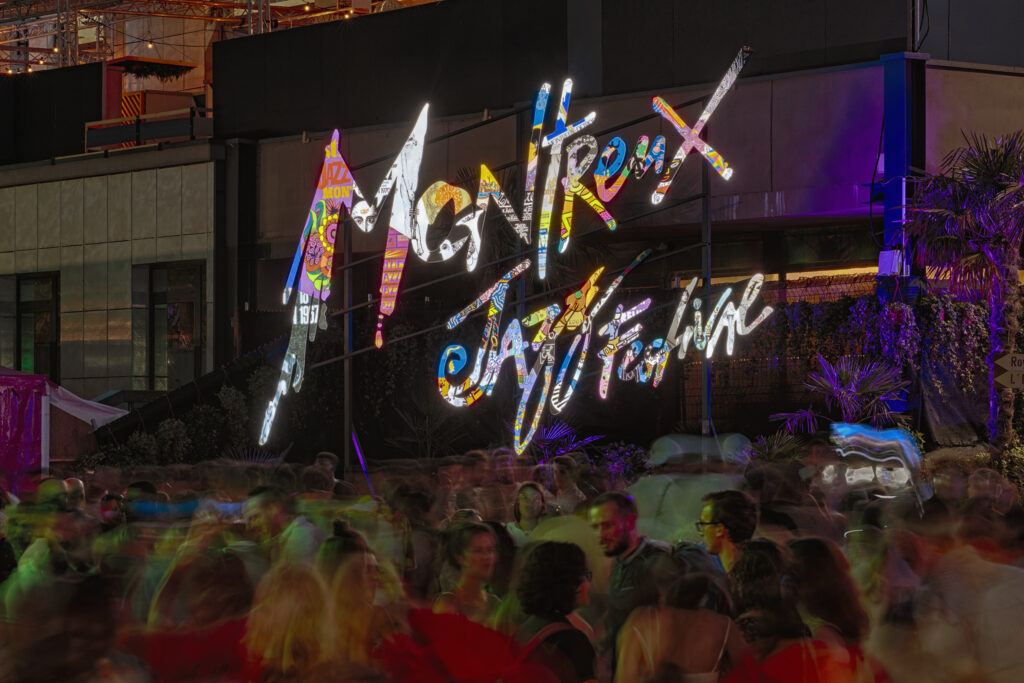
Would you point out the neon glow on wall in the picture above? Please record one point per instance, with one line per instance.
(414, 212)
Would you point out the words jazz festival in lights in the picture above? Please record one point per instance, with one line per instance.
(547, 382)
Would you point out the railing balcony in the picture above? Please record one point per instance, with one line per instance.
(167, 126)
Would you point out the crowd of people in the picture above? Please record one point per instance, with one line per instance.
(490, 567)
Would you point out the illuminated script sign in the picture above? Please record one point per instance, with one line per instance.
(548, 382)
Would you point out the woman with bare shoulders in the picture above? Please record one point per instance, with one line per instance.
(683, 641)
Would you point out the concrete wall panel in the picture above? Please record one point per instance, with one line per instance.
(168, 201)
(119, 207)
(25, 216)
(96, 218)
(72, 207)
(48, 208)
(143, 204)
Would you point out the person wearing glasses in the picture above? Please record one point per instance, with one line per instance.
(555, 581)
(727, 519)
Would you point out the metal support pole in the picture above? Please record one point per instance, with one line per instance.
(520, 176)
(347, 340)
(67, 34)
(705, 258)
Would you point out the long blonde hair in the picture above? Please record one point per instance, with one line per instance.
(289, 626)
(359, 624)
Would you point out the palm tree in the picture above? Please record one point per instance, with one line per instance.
(967, 221)
(855, 390)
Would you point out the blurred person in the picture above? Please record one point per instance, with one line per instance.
(79, 528)
(289, 631)
(337, 548)
(568, 495)
(948, 479)
(473, 548)
(963, 592)
(446, 570)
(829, 603)
(767, 614)
(554, 582)
(827, 597)
(8, 560)
(727, 519)
(783, 492)
(682, 641)
(198, 620)
(316, 484)
(987, 483)
(637, 561)
(528, 511)
(327, 462)
(269, 514)
(284, 478)
(359, 623)
(478, 489)
(75, 489)
(415, 504)
(501, 578)
(65, 631)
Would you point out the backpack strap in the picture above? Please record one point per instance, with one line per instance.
(542, 635)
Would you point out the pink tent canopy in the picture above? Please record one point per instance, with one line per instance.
(25, 402)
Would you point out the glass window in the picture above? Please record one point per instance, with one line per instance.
(29, 324)
(167, 305)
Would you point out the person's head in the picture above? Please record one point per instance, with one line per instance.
(112, 509)
(335, 550)
(529, 502)
(317, 480)
(327, 462)
(761, 586)
(474, 467)
(284, 478)
(980, 519)
(757, 577)
(51, 494)
(949, 481)
(352, 597)
(727, 517)
(564, 472)
(216, 587)
(76, 493)
(554, 580)
(474, 550)
(141, 490)
(985, 482)
(820, 578)
(288, 628)
(357, 579)
(613, 517)
(266, 511)
(65, 630)
(690, 591)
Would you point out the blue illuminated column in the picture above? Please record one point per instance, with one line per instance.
(903, 143)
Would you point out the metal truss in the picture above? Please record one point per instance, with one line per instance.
(67, 33)
(22, 21)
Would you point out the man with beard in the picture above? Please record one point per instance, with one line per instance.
(639, 562)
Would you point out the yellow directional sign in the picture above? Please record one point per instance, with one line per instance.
(1011, 361)
(1011, 380)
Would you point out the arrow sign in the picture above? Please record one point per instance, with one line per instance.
(1011, 380)
(1011, 361)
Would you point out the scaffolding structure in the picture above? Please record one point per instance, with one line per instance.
(50, 33)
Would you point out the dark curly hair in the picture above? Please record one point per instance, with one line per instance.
(549, 579)
(734, 510)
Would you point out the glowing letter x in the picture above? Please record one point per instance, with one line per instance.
(691, 136)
